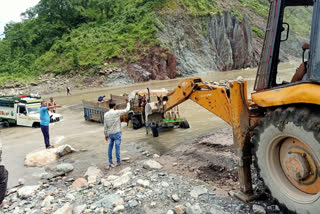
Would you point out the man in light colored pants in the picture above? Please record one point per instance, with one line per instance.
(112, 129)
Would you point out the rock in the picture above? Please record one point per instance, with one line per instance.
(112, 177)
(118, 208)
(133, 203)
(41, 158)
(164, 184)
(144, 183)
(170, 212)
(66, 209)
(93, 174)
(240, 79)
(33, 84)
(194, 209)
(121, 181)
(99, 210)
(125, 170)
(156, 156)
(118, 203)
(273, 209)
(151, 164)
(258, 209)
(79, 209)
(79, 183)
(47, 201)
(27, 191)
(175, 197)
(108, 200)
(105, 183)
(64, 150)
(216, 211)
(70, 197)
(21, 181)
(65, 167)
(105, 210)
(174, 164)
(180, 209)
(198, 190)
(153, 204)
(125, 159)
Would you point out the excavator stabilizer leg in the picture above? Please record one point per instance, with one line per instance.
(241, 137)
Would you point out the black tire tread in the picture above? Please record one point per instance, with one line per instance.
(307, 117)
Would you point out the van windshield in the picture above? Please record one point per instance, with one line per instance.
(33, 109)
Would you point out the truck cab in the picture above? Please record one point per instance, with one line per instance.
(23, 111)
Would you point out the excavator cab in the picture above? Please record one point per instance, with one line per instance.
(278, 31)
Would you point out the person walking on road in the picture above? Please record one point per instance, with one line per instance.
(112, 129)
(68, 91)
(45, 121)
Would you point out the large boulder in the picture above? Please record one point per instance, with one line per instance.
(108, 200)
(27, 191)
(151, 164)
(41, 158)
(64, 150)
(44, 157)
(65, 167)
(93, 174)
(79, 183)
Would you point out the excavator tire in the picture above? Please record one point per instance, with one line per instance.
(287, 156)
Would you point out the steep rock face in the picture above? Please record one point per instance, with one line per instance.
(213, 43)
(160, 64)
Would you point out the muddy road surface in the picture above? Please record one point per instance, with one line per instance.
(89, 138)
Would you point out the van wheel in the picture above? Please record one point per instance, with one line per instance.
(6, 124)
(36, 125)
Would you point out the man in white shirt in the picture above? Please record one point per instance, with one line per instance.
(112, 129)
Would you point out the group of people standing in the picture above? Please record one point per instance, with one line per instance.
(112, 126)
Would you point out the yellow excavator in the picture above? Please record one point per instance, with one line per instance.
(279, 127)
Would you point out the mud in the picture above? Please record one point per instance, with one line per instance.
(209, 158)
(203, 152)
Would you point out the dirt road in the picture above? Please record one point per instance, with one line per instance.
(74, 130)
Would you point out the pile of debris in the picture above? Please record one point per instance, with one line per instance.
(140, 188)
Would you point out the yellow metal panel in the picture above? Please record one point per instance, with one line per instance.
(302, 93)
(215, 101)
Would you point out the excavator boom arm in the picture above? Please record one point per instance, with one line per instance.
(232, 108)
(212, 98)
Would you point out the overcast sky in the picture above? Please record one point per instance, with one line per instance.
(10, 10)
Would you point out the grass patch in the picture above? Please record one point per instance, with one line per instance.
(258, 32)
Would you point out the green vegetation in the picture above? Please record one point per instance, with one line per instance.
(260, 7)
(194, 8)
(299, 19)
(237, 14)
(61, 35)
(258, 32)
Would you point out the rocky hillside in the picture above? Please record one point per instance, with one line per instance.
(211, 43)
(137, 40)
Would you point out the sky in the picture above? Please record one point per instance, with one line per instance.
(10, 10)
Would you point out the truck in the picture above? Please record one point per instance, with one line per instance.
(95, 110)
(23, 111)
